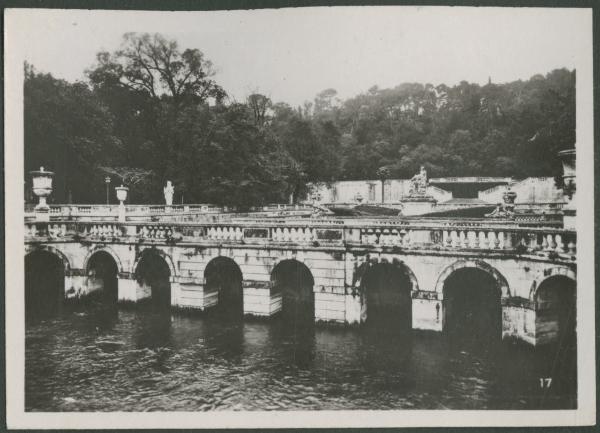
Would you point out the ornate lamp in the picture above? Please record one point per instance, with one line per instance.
(42, 186)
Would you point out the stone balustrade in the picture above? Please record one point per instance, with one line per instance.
(399, 234)
(139, 212)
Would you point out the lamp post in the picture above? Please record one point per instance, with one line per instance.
(107, 181)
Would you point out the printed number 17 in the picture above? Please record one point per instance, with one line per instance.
(545, 382)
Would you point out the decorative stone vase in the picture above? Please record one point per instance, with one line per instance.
(42, 186)
(569, 188)
(568, 162)
(121, 193)
(121, 196)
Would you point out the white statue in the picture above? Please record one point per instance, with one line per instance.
(169, 191)
(419, 183)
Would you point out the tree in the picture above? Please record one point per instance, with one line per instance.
(154, 65)
(259, 106)
(69, 131)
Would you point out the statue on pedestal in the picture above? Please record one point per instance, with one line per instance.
(169, 190)
(419, 183)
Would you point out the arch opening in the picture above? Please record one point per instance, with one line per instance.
(102, 277)
(294, 281)
(555, 318)
(387, 288)
(44, 285)
(555, 333)
(472, 310)
(153, 276)
(224, 276)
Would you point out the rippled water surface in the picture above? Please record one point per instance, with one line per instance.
(143, 360)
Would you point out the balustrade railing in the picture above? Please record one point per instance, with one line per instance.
(111, 212)
(429, 235)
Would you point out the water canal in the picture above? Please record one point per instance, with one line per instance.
(99, 358)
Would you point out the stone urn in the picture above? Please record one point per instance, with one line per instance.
(121, 193)
(568, 162)
(42, 186)
(568, 158)
(121, 196)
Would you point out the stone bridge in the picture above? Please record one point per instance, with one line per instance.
(522, 276)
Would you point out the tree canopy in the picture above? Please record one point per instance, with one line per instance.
(151, 112)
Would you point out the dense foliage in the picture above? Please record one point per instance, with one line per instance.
(151, 112)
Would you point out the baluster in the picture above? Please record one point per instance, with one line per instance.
(286, 234)
(495, 240)
(551, 243)
(508, 240)
(238, 234)
(464, 241)
(304, 234)
(571, 246)
(500, 240)
(446, 240)
(404, 238)
(560, 246)
(544, 243)
(533, 242)
(472, 239)
(482, 241)
(293, 235)
(454, 238)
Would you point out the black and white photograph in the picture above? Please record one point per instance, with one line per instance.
(366, 216)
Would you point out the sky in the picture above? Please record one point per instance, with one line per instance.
(292, 54)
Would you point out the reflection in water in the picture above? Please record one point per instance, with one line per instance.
(151, 359)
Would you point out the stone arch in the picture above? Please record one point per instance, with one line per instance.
(167, 258)
(106, 249)
(52, 250)
(224, 277)
(361, 270)
(549, 273)
(386, 288)
(477, 264)
(293, 280)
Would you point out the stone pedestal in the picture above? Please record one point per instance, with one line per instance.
(42, 214)
(426, 311)
(518, 320)
(129, 290)
(192, 293)
(75, 284)
(258, 299)
(570, 219)
(417, 205)
(330, 307)
(354, 309)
